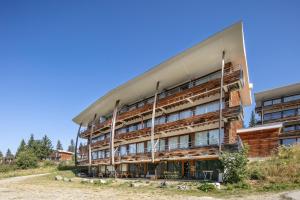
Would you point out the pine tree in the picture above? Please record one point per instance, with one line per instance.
(71, 146)
(47, 147)
(1, 155)
(9, 154)
(31, 141)
(21, 148)
(252, 121)
(59, 145)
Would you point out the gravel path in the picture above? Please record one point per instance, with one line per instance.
(19, 188)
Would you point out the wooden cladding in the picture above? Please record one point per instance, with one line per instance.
(261, 143)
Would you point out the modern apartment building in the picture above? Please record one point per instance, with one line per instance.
(168, 121)
(281, 105)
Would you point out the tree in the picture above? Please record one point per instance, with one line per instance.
(27, 159)
(9, 154)
(59, 145)
(71, 146)
(31, 141)
(252, 121)
(1, 155)
(47, 147)
(21, 148)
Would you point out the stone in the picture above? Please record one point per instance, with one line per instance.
(91, 181)
(217, 186)
(163, 184)
(58, 178)
(183, 187)
(66, 179)
(102, 181)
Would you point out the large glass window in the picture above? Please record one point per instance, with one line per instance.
(205, 108)
(132, 128)
(173, 143)
(291, 98)
(101, 154)
(173, 117)
(268, 103)
(140, 147)
(160, 120)
(276, 101)
(289, 128)
(289, 141)
(185, 114)
(162, 145)
(267, 116)
(201, 138)
(214, 136)
(184, 141)
(94, 155)
(276, 115)
(132, 148)
(289, 113)
(123, 150)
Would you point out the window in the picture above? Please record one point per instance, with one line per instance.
(276, 115)
(141, 104)
(213, 136)
(123, 150)
(184, 142)
(173, 117)
(140, 147)
(289, 128)
(173, 143)
(162, 145)
(268, 103)
(173, 91)
(148, 123)
(289, 141)
(139, 126)
(160, 120)
(161, 95)
(291, 98)
(94, 155)
(201, 138)
(132, 128)
(205, 108)
(201, 80)
(185, 114)
(101, 154)
(267, 116)
(132, 149)
(184, 87)
(289, 113)
(276, 101)
(150, 100)
(149, 146)
(121, 130)
(107, 153)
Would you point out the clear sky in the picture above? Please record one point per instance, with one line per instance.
(58, 56)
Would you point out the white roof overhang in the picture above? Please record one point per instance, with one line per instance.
(196, 61)
(260, 128)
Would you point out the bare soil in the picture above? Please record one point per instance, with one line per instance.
(35, 187)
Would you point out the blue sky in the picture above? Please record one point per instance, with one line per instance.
(57, 57)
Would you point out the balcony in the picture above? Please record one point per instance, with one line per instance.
(232, 79)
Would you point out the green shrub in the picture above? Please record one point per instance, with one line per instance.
(206, 187)
(27, 159)
(6, 168)
(234, 166)
(256, 174)
(48, 163)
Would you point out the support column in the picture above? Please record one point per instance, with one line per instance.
(90, 143)
(153, 122)
(112, 136)
(76, 144)
(221, 99)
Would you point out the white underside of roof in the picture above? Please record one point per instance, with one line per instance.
(260, 128)
(197, 61)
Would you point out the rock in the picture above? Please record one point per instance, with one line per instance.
(66, 179)
(91, 181)
(58, 178)
(217, 185)
(183, 187)
(102, 181)
(163, 184)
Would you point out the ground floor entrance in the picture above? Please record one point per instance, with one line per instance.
(191, 169)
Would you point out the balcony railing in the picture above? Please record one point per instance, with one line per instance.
(232, 75)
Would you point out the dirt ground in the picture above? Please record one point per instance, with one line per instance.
(35, 188)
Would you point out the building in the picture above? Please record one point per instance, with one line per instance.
(279, 123)
(61, 155)
(281, 105)
(167, 121)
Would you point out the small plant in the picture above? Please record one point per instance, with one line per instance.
(206, 187)
(256, 175)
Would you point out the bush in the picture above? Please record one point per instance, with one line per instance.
(48, 163)
(234, 166)
(256, 174)
(206, 187)
(27, 159)
(6, 168)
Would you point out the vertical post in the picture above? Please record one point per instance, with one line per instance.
(90, 143)
(76, 144)
(153, 122)
(112, 136)
(221, 99)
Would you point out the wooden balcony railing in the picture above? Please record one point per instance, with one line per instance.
(232, 75)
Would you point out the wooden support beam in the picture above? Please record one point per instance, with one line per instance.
(153, 123)
(221, 99)
(112, 133)
(76, 144)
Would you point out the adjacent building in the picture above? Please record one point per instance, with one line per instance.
(167, 122)
(61, 155)
(281, 105)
